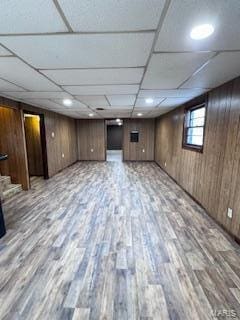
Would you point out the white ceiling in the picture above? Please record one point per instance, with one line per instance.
(114, 54)
(112, 15)
(82, 50)
(102, 90)
(183, 15)
(95, 76)
(4, 52)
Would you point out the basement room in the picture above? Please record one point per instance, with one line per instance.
(119, 159)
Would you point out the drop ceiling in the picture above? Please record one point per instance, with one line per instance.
(115, 54)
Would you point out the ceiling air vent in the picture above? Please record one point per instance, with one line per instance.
(99, 109)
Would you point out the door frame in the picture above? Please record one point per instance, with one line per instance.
(43, 140)
(105, 121)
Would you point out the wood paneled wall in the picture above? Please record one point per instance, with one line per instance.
(33, 145)
(144, 149)
(61, 139)
(12, 142)
(91, 139)
(211, 177)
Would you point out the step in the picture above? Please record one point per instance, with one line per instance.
(4, 181)
(11, 190)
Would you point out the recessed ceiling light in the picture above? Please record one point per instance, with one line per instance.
(149, 100)
(67, 102)
(202, 31)
(118, 120)
(139, 114)
(91, 114)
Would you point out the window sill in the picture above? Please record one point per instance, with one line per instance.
(193, 148)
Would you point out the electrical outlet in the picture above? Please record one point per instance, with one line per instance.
(53, 134)
(63, 155)
(143, 150)
(91, 150)
(230, 213)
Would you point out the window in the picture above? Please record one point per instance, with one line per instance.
(194, 124)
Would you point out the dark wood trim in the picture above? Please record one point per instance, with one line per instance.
(192, 147)
(2, 222)
(44, 147)
(26, 184)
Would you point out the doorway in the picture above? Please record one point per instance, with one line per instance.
(35, 145)
(114, 139)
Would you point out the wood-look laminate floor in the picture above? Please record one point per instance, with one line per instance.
(114, 241)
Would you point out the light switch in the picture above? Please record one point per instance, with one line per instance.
(53, 134)
(63, 155)
(165, 163)
(143, 150)
(229, 213)
(91, 150)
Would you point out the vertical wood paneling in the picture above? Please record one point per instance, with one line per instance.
(133, 151)
(91, 140)
(12, 142)
(211, 177)
(64, 141)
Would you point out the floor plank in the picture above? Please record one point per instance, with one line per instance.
(113, 240)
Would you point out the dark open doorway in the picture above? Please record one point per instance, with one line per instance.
(114, 139)
(36, 144)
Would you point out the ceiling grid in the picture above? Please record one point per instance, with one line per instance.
(115, 55)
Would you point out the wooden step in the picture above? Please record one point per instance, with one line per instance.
(11, 190)
(4, 181)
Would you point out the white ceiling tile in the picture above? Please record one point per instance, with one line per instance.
(40, 95)
(43, 103)
(7, 86)
(173, 102)
(116, 108)
(115, 114)
(77, 105)
(112, 15)
(19, 73)
(102, 90)
(27, 16)
(183, 15)
(170, 70)
(95, 76)
(4, 52)
(121, 100)
(178, 93)
(74, 114)
(82, 50)
(144, 115)
(141, 102)
(123, 108)
(222, 68)
(144, 110)
(93, 101)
